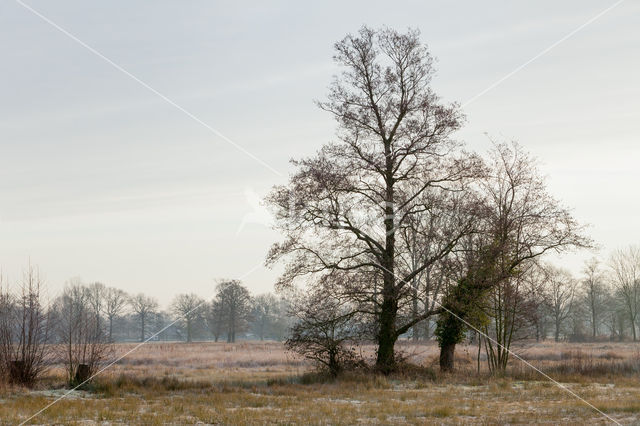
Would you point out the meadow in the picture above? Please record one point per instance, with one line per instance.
(261, 383)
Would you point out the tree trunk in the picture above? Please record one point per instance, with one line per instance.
(142, 332)
(387, 337)
(415, 330)
(594, 323)
(447, 355)
(82, 373)
(479, 349)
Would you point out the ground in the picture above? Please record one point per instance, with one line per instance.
(261, 383)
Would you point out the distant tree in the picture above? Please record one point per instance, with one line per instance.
(560, 290)
(617, 319)
(595, 294)
(264, 314)
(97, 292)
(188, 309)
(143, 307)
(283, 320)
(115, 304)
(25, 331)
(163, 326)
(539, 315)
(216, 318)
(235, 301)
(625, 265)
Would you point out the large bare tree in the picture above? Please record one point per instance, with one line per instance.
(391, 168)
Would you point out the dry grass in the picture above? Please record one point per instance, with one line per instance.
(259, 383)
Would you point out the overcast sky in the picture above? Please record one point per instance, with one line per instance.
(100, 178)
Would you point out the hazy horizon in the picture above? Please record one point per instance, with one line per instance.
(104, 180)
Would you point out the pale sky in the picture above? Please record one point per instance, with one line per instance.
(102, 179)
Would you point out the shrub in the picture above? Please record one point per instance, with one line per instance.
(324, 333)
(24, 332)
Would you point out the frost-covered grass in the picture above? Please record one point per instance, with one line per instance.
(260, 383)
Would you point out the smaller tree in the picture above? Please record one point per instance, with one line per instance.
(189, 309)
(512, 307)
(517, 222)
(143, 307)
(84, 343)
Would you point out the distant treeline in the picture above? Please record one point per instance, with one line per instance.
(234, 313)
(77, 328)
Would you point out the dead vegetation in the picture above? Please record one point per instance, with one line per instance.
(258, 383)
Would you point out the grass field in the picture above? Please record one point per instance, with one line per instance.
(261, 383)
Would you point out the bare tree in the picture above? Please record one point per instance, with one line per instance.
(234, 301)
(84, 342)
(625, 265)
(96, 300)
(343, 209)
(510, 306)
(24, 330)
(216, 318)
(264, 313)
(595, 294)
(188, 308)
(518, 222)
(560, 293)
(115, 304)
(143, 307)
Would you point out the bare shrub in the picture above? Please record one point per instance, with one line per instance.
(24, 331)
(324, 333)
